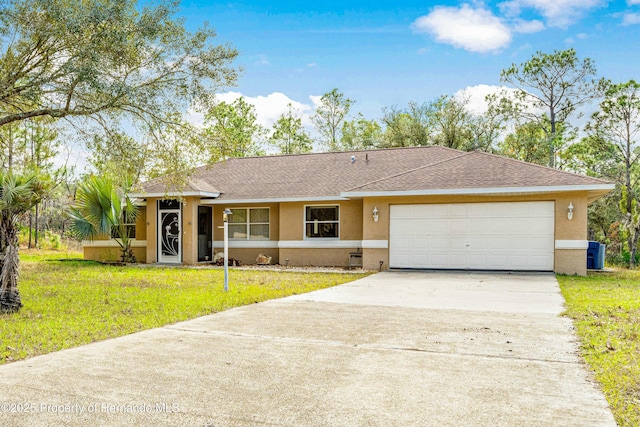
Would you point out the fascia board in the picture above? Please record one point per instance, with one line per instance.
(175, 194)
(482, 191)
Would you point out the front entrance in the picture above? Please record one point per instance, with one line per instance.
(170, 242)
(205, 233)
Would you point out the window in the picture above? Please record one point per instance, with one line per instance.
(129, 223)
(322, 221)
(249, 224)
(168, 204)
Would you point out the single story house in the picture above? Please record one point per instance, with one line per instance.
(417, 207)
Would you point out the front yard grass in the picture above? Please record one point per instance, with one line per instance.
(69, 302)
(606, 312)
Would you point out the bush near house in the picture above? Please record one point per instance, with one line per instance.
(605, 308)
(47, 240)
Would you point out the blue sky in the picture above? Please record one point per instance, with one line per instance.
(386, 53)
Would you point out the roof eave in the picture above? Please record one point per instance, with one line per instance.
(275, 200)
(594, 195)
(593, 190)
(175, 194)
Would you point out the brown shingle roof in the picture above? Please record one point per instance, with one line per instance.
(477, 170)
(325, 175)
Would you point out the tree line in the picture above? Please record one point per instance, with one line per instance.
(118, 80)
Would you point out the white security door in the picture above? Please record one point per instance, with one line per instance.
(482, 236)
(170, 245)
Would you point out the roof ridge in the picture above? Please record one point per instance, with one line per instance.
(197, 169)
(208, 166)
(548, 168)
(414, 169)
(363, 150)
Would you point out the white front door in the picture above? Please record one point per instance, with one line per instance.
(170, 242)
(482, 236)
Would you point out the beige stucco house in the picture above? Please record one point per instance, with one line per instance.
(418, 207)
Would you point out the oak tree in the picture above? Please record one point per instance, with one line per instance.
(232, 130)
(107, 60)
(360, 134)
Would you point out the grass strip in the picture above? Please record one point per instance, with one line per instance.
(605, 308)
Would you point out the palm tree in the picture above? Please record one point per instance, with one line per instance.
(101, 210)
(18, 194)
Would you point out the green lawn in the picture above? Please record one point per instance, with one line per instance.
(70, 302)
(606, 312)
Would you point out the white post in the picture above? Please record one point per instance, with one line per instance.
(225, 219)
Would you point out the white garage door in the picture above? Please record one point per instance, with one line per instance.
(483, 236)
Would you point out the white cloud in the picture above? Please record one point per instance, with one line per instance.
(316, 100)
(475, 30)
(579, 36)
(476, 96)
(631, 18)
(194, 117)
(261, 59)
(269, 108)
(632, 2)
(476, 102)
(558, 13)
(526, 27)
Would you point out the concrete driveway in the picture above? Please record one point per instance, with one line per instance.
(392, 349)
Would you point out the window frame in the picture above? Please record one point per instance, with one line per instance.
(129, 227)
(248, 224)
(305, 221)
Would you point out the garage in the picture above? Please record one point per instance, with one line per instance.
(478, 236)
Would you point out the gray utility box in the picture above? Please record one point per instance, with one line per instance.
(355, 259)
